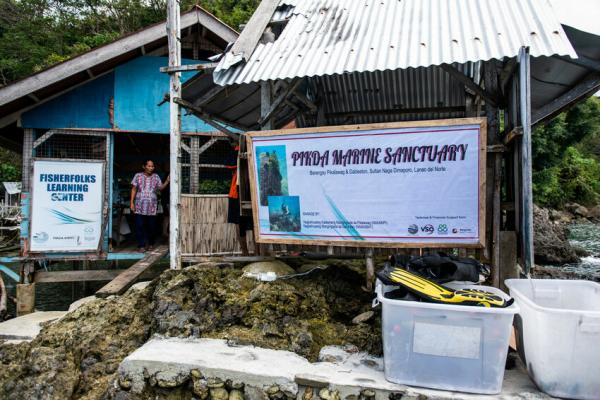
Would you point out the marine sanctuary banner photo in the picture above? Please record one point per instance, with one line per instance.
(66, 206)
(417, 184)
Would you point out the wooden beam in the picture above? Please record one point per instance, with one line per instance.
(588, 86)
(291, 105)
(43, 138)
(246, 43)
(200, 113)
(300, 96)
(208, 96)
(185, 147)
(582, 61)
(25, 298)
(508, 257)
(512, 135)
(3, 298)
(206, 145)
(495, 148)
(86, 276)
(124, 280)
(266, 100)
(400, 111)
(190, 67)
(174, 40)
(198, 110)
(279, 101)
(212, 166)
(507, 73)
(465, 80)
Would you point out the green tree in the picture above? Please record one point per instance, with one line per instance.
(35, 34)
(566, 157)
(10, 166)
(232, 12)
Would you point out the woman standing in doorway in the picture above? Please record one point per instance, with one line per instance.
(144, 203)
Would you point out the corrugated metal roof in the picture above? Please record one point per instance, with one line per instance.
(12, 187)
(400, 95)
(326, 37)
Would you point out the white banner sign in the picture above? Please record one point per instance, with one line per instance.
(414, 185)
(66, 206)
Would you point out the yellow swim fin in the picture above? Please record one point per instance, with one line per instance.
(430, 291)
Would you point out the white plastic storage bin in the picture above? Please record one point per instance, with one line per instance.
(449, 347)
(558, 334)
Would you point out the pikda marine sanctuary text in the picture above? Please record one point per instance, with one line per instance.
(65, 187)
(378, 155)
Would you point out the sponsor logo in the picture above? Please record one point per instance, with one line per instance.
(442, 229)
(40, 237)
(88, 229)
(413, 229)
(428, 229)
(463, 230)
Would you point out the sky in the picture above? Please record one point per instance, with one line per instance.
(580, 14)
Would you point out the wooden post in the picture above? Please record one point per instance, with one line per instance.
(194, 162)
(494, 175)
(25, 298)
(266, 97)
(3, 299)
(508, 257)
(526, 184)
(174, 36)
(370, 270)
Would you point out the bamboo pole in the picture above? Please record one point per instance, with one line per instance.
(174, 36)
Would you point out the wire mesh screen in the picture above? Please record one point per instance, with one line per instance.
(214, 180)
(214, 176)
(185, 166)
(80, 147)
(220, 153)
(185, 155)
(204, 168)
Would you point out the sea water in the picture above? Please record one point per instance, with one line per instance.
(586, 237)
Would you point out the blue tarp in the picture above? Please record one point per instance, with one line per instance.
(139, 87)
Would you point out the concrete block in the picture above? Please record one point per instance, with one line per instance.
(27, 326)
(262, 369)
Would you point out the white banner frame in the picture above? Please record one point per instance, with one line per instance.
(102, 186)
(475, 242)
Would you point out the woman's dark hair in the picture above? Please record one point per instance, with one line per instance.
(147, 161)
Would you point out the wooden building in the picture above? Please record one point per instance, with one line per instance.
(108, 106)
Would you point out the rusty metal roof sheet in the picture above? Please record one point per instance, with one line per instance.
(327, 37)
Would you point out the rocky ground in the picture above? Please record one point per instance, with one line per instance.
(78, 356)
(551, 244)
(72, 359)
(551, 232)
